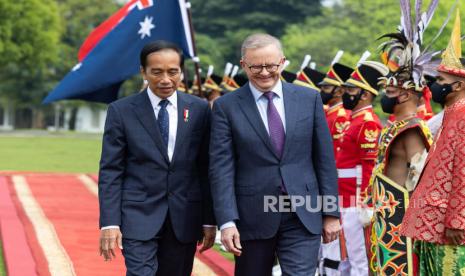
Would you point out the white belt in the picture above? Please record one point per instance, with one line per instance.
(351, 173)
(347, 173)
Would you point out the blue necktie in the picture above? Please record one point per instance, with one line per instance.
(164, 121)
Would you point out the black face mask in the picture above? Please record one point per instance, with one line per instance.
(440, 92)
(387, 104)
(326, 97)
(350, 101)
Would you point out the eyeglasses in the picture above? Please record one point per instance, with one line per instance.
(257, 69)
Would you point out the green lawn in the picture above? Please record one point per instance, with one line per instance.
(50, 153)
(2, 263)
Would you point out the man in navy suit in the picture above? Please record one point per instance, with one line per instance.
(270, 148)
(154, 195)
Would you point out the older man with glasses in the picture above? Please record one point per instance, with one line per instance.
(271, 161)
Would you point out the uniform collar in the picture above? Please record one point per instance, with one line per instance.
(362, 110)
(334, 108)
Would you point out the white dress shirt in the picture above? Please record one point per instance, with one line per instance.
(172, 109)
(262, 105)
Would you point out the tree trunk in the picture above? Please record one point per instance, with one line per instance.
(38, 118)
(72, 119)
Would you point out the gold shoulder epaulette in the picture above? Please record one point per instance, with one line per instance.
(368, 117)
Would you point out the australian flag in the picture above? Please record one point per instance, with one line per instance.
(110, 54)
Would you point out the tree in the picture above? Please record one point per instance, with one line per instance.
(80, 17)
(210, 52)
(354, 26)
(39, 41)
(26, 29)
(214, 17)
(229, 22)
(29, 35)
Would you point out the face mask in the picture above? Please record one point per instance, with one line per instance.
(350, 101)
(387, 104)
(440, 92)
(326, 97)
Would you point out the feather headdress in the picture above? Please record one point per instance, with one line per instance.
(404, 53)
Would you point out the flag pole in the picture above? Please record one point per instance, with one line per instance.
(195, 58)
(185, 79)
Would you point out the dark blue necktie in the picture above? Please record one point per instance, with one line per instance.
(164, 121)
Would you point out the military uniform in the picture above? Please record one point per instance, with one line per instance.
(355, 162)
(213, 90)
(309, 77)
(337, 117)
(334, 254)
(230, 84)
(338, 121)
(288, 76)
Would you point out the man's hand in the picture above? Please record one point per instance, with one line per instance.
(209, 235)
(455, 236)
(109, 240)
(331, 228)
(230, 240)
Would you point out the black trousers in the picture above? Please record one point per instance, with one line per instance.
(296, 248)
(163, 255)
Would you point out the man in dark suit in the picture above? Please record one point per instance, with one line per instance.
(270, 144)
(153, 184)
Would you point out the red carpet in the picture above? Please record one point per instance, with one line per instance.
(219, 264)
(19, 260)
(71, 210)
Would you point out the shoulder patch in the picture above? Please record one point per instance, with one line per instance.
(368, 117)
(371, 135)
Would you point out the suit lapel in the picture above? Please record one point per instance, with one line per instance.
(144, 112)
(183, 104)
(291, 109)
(249, 108)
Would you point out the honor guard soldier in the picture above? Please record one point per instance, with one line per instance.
(356, 158)
(331, 93)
